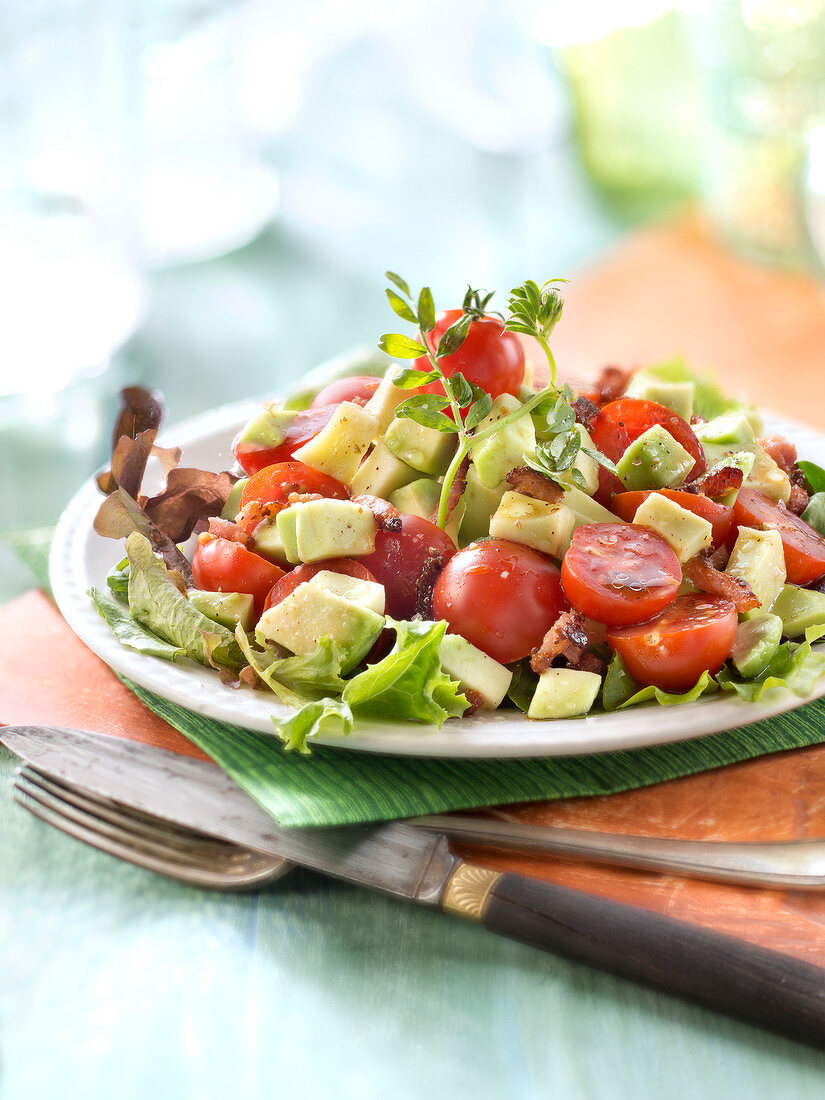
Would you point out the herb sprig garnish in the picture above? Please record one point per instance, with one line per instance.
(534, 311)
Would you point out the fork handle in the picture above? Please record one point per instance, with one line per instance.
(752, 983)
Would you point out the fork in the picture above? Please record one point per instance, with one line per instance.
(140, 838)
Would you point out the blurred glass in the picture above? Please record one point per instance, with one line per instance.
(71, 294)
(631, 75)
(764, 62)
(203, 189)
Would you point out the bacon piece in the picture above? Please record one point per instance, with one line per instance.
(781, 450)
(717, 483)
(226, 529)
(387, 517)
(474, 698)
(425, 585)
(566, 638)
(612, 383)
(533, 484)
(589, 662)
(700, 572)
(586, 411)
(798, 501)
(303, 498)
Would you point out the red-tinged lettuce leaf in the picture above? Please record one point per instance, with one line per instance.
(120, 514)
(129, 459)
(140, 411)
(190, 495)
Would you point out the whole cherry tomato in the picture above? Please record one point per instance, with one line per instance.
(490, 356)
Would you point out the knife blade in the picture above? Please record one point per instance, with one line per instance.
(760, 986)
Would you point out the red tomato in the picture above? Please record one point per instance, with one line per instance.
(622, 421)
(719, 516)
(219, 565)
(305, 426)
(804, 547)
(358, 388)
(692, 636)
(619, 573)
(490, 356)
(400, 557)
(290, 581)
(274, 483)
(501, 596)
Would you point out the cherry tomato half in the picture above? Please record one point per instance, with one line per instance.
(290, 581)
(622, 421)
(692, 636)
(305, 426)
(219, 565)
(273, 484)
(804, 547)
(719, 516)
(619, 573)
(501, 596)
(400, 557)
(490, 356)
(358, 388)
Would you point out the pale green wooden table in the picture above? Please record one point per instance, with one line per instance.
(117, 983)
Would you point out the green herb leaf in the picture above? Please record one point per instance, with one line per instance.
(429, 402)
(401, 347)
(396, 280)
(401, 307)
(427, 417)
(478, 410)
(426, 310)
(454, 337)
(460, 389)
(814, 475)
(603, 460)
(411, 379)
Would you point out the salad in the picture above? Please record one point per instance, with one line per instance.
(454, 535)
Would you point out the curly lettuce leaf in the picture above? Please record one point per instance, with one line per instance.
(295, 680)
(130, 632)
(794, 666)
(620, 690)
(310, 720)
(117, 580)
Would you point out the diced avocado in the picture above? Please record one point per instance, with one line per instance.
(768, 477)
(587, 467)
(230, 609)
(233, 501)
(684, 532)
(474, 670)
(654, 461)
(814, 514)
(493, 458)
(366, 593)
(338, 448)
(564, 693)
(421, 498)
(386, 399)
(536, 523)
(328, 529)
(425, 449)
(480, 503)
(757, 558)
(756, 641)
(268, 541)
(267, 428)
(586, 509)
(310, 613)
(677, 396)
(731, 430)
(799, 608)
(381, 473)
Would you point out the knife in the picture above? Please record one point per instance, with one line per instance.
(757, 985)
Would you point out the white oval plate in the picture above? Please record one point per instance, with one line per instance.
(81, 559)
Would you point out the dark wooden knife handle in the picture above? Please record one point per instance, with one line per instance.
(749, 982)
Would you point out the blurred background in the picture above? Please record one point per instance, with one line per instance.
(202, 195)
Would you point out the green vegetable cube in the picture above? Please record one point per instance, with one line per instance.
(474, 670)
(564, 693)
(654, 461)
(338, 448)
(758, 558)
(799, 608)
(687, 534)
(536, 523)
(507, 448)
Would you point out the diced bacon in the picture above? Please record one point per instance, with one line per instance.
(425, 585)
(387, 516)
(589, 662)
(566, 638)
(474, 698)
(586, 411)
(717, 483)
(612, 382)
(700, 572)
(533, 484)
(798, 500)
(226, 529)
(781, 450)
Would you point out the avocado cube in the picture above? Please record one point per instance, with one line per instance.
(338, 448)
(381, 473)
(386, 399)
(757, 558)
(480, 503)
(586, 509)
(756, 641)
(799, 608)
(677, 396)
(564, 693)
(267, 428)
(814, 514)
(587, 467)
(275, 540)
(474, 670)
(230, 609)
(769, 478)
(233, 502)
(425, 449)
(731, 429)
(310, 613)
(330, 529)
(536, 523)
(365, 593)
(421, 498)
(654, 461)
(507, 448)
(687, 534)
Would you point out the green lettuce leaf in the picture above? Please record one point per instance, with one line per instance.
(620, 690)
(709, 400)
(618, 686)
(130, 632)
(296, 680)
(814, 475)
(309, 722)
(118, 580)
(156, 603)
(523, 685)
(794, 666)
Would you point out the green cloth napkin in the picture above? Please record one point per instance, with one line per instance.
(340, 787)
